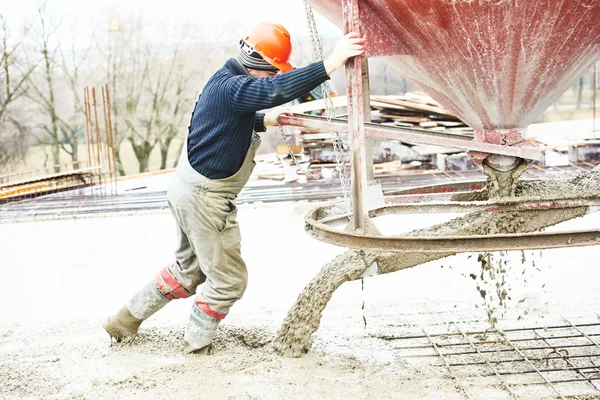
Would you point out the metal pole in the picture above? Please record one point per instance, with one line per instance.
(92, 152)
(112, 140)
(594, 106)
(86, 102)
(354, 89)
(89, 113)
(106, 138)
(98, 138)
(367, 116)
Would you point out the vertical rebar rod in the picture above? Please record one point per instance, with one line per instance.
(86, 101)
(487, 362)
(112, 140)
(437, 350)
(105, 136)
(528, 361)
(98, 138)
(88, 110)
(564, 357)
(107, 139)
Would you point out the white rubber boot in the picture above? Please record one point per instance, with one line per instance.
(200, 332)
(123, 326)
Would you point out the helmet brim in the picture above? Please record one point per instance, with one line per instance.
(283, 67)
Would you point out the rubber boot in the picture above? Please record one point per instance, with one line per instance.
(200, 332)
(123, 326)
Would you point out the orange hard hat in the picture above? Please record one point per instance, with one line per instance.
(272, 42)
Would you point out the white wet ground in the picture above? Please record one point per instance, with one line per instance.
(61, 278)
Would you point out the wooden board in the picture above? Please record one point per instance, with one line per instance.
(423, 98)
(271, 177)
(283, 149)
(450, 124)
(404, 118)
(380, 105)
(407, 104)
(316, 136)
(338, 101)
(427, 150)
(404, 124)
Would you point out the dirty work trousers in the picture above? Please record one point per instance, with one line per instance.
(208, 255)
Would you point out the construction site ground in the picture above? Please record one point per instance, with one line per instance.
(62, 278)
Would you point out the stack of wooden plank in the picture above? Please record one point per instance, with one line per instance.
(417, 110)
(412, 110)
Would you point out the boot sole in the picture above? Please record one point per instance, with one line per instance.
(205, 351)
(123, 327)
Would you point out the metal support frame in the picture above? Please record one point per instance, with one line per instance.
(362, 234)
(320, 224)
(366, 87)
(594, 99)
(414, 136)
(356, 120)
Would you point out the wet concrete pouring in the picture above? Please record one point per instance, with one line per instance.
(52, 344)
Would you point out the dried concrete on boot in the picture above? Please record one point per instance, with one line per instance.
(122, 326)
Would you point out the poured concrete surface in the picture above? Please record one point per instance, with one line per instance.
(62, 278)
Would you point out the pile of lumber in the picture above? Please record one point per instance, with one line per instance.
(314, 147)
(412, 110)
(416, 110)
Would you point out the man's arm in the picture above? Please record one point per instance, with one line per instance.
(259, 122)
(250, 94)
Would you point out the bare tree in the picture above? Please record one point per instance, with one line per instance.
(13, 78)
(13, 140)
(129, 101)
(168, 85)
(42, 87)
(72, 127)
(61, 126)
(113, 51)
(170, 109)
(152, 84)
(128, 63)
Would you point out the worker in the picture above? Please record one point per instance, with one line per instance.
(215, 164)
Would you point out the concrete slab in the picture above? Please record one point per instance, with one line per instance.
(63, 277)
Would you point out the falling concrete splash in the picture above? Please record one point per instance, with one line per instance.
(294, 337)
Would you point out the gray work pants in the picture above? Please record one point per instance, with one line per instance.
(208, 254)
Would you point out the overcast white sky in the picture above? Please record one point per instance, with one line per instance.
(222, 19)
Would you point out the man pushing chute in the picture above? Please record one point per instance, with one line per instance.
(215, 164)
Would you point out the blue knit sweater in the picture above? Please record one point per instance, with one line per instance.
(225, 115)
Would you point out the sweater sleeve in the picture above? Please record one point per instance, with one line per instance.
(259, 122)
(249, 94)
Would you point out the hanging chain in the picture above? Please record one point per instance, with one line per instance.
(293, 156)
(326, 90)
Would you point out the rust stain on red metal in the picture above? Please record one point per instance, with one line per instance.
(495, 64)
(432, 190)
